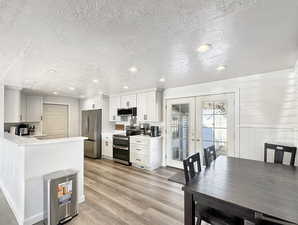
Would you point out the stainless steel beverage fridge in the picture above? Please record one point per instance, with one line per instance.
(91, 128)
(60, 197)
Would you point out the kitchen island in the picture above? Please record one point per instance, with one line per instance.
(23, 163)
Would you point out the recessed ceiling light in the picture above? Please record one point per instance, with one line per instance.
(71, 88)
(55, 93)
(221, 68)
(162, 79)
(125, 87)
(204, 48)
(95, 81)
(133, 69)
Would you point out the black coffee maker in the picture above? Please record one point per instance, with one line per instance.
(22, 130)
(154, 131)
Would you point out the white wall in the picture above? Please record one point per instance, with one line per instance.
(74, 112)
(267, 107)
(1, 109)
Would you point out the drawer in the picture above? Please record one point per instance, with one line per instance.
(140, 149)
(107, 138)
(140, 140)
(140, 159)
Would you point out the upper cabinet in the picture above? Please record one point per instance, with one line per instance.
(115, 104)
(34, 109)
(128, 101)
(12, 106)
(92, 103)
(149, 106)
(21, 108)
(148, 103)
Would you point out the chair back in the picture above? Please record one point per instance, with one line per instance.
(190, 164)
(279, 151)
(209, 155)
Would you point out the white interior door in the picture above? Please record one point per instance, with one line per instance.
(215, 123)
(55, 120)
(180, 130)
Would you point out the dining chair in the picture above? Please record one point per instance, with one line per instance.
(192, 167)
(279, 151)
(209, 155)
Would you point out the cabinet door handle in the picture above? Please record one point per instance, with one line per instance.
(114, 117)
(21, 118)
(41, 118)
(145, 117)
(138, 149)
(138, 160)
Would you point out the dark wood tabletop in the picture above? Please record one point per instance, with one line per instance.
(266, 188)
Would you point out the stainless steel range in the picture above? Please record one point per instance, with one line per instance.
(121, 150)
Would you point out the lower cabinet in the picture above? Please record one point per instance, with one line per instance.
(146, 152)
(107, 146)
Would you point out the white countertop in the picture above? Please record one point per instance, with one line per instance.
(31, 140)
(145, 136)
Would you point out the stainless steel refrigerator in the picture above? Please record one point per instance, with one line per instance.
(91, 128)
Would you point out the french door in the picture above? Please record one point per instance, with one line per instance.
(199, 122)
(180, 130)
(215, 123)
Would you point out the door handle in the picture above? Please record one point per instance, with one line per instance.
(195, 139)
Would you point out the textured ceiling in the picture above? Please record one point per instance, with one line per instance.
(51, 45)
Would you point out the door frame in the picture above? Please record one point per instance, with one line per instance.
(199, 93)
(68, 114)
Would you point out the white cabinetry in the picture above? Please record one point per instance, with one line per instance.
(92, 103)
(107, 146)
(23, 108)
(128, 101)
(114, 106)
(34, 109)
(148, 103)
(146, 152)
(149, 106)
(12, 106)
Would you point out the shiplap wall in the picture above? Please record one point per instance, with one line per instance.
(267, 107)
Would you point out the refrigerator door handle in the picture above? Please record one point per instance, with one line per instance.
(88, 124)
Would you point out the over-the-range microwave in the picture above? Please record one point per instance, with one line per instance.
(127, 112)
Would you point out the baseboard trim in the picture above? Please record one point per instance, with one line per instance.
(11, 204)
(39, 217)
(34, 219)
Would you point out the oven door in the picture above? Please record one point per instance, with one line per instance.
(121, 154)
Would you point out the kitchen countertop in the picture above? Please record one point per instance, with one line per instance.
(145, 136)
(31, 140)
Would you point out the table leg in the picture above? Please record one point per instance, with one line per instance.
(189, 209)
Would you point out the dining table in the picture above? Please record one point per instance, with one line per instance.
(252, 190)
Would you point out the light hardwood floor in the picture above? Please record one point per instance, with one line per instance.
(121, 195)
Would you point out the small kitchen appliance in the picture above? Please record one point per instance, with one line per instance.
(127, 112)
(13, 130)
(145, 127)
(154, 131)
(22, 130)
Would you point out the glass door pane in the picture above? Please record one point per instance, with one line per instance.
(215, 123)
(180, 130)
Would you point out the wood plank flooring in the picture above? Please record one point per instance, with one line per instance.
(121, 195)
